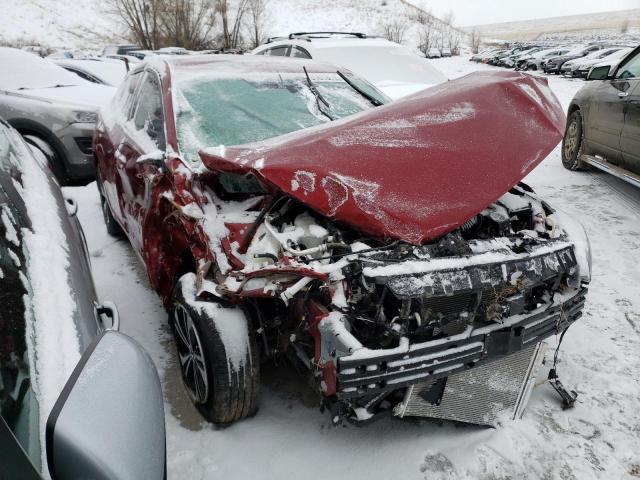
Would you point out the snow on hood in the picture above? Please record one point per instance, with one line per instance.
(417, 168)
(27, 74)
(397, 90)
(89, 95)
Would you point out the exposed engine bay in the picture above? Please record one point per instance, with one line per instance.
(370, 319)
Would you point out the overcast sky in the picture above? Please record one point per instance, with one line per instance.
(478, 12)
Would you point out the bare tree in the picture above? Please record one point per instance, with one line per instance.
(475, 41)
(189, 23)
(231, 13)
(143, 19)
(394, 30)
(257, 19)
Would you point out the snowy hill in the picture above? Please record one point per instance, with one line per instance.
(594, 24)
(86, 23)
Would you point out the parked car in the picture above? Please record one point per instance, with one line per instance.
(570, 67)
(101, 71)
(584, 66)
(477, 57)
(397, 71)
(603, 126)
(445, 52)
(554, 64)
(434, 52)
(512, 60)
(537, 60)
(142, 54)
(331, 231)
(52, 323)
(122, 49)
(55, 110)
(173, 51)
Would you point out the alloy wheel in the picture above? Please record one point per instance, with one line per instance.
(191, 355)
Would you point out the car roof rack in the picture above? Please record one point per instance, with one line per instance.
(308, 34)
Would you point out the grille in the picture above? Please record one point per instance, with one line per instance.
(482, 395)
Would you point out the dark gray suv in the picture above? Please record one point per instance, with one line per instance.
(603, 124)
(63, 364)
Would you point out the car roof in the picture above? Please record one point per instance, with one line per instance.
(329, 41)
(237, 64)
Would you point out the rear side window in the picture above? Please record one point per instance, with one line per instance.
(149, 118)
(125, 93)
(631, 68)
(299, 53)
(278, 51)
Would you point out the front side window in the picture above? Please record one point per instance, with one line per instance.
(631, 68)
(233, 111)
(148, 119)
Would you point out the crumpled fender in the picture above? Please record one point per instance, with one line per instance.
(417, 168)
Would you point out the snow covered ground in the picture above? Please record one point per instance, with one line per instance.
(600, 358)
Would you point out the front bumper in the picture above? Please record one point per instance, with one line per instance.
(79, 162)
(369, 372)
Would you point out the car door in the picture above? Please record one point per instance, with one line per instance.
(608, 105)
(144, 138)
(109, 134)
(630, 137)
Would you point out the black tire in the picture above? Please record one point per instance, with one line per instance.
(53, 159)
(113, 227)
(231, 359)
(573, 143)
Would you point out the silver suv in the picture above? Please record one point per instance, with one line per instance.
(55, 110)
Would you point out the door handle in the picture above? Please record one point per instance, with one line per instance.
(623, 94)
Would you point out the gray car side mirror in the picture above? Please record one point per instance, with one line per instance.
(108, 422)
(599, 73)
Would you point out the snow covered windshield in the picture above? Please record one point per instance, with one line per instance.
(214, 111)
(383, 64)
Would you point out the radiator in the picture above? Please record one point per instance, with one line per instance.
(482, 395)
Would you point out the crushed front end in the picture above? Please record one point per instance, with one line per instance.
(377, 322)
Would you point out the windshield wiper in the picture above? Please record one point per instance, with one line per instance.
(374, 101)
(317, 94)
(48, 86)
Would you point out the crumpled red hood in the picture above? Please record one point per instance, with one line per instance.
(417, 168)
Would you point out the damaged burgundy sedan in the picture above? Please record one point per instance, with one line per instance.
(286, 209)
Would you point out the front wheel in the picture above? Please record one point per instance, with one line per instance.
(218, 355)
(573, 143)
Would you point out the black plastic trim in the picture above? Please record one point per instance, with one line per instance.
(490, 346)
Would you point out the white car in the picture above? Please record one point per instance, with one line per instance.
(390, 67)
(446, 52)
(583, 67)
(104, 72)
(434, 52)
(570, 68)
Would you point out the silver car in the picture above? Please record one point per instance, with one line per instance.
(63, 364)
(55, 110)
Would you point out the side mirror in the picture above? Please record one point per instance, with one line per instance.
(599, 73)
(108, 422)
